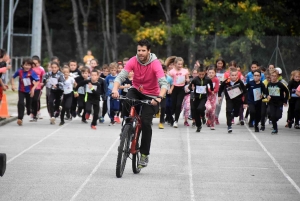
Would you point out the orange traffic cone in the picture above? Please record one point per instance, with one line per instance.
(4, 107)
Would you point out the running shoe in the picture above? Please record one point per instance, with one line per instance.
(143, 161)
(61, 123)
(186, 123)
(262, 128)
(175, 124)
(101, 119)
(217, 121)
(274, 132)
(93, 127)
(160, 126)
(52, 120)
(193, 124)
(229, 129)
(198, 129)
(19, 122)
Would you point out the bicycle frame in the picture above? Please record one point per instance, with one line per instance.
(134, 118)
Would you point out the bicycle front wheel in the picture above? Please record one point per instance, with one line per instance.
(123, 150)
(137, 156)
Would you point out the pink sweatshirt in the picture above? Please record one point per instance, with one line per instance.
(40, 73)
(145, 76)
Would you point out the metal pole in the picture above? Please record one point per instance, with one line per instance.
(2, 24)
(277, 47)
(36, 38)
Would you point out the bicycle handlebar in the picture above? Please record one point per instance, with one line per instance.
(135, 100)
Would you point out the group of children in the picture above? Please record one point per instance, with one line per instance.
(262, 92)
(75, 90)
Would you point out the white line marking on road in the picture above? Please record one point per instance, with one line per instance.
(21, 153)
(94, 170)
(275, 161)
(190, 165)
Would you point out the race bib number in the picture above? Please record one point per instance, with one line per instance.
(257, 94)
(81, 90)
(88, 90)
(26, 81)
(53, 81)
(274, 91)
(234, 92)
(180, 80)
(220, 76)
(201, 89)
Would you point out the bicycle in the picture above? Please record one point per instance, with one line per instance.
(130, 137)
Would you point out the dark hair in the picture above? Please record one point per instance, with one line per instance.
(126, 59)
(54, 63)
(85, 69)
(200, 69)
(232, 63)
(262, 68)
(222, 60)
(255, 62)
(212, 67)
(53, 58)
(164, 67)
(145, 42)
(234, 70)
(28, 61)
(98, 68)
(72, 61)
(2, 53)
(95, 71)
(257, 71)
(36, 57)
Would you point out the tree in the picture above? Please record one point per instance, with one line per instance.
(47, 32)
(76, 29)
(85, 15)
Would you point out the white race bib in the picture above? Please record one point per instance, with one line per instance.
(220, 76)
(27, 82)
(257, 94)
(274, 91)
(89, 90)
(201, 89)
(81, 90)
(234, 92)
(180, 79)
(53, 81)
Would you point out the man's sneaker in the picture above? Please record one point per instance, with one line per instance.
(19, 122)
(198, 129)
(193, 124)
(93, 127)
(160, 126)
(112, 123)
(87, 116)
(143, 161)
(52, 120)
(61, 123)
(229, 129)
(203, 120)
(217, 121)
(84, 121)
(274, 132)
(175, 124)
(262, 128)
(242, 123)
(186, 123)
(256, 129)
(101, 119)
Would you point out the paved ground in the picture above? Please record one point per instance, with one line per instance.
(73, 162)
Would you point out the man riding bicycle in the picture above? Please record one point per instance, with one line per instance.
(148, 82)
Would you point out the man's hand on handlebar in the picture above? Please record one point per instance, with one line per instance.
(115, 94)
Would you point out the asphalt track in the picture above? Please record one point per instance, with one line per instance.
(73, 162)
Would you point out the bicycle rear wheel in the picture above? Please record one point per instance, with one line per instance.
(137, 156)
(123, 150)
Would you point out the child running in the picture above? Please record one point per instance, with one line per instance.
(211, 102)
(67, 95)
(277, 94)
(28, 81)
(93, 91)
(200, 86)
(294, 101)
(236, 95)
